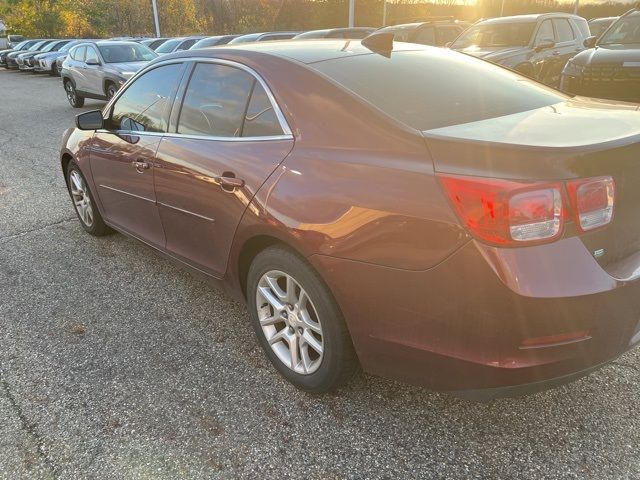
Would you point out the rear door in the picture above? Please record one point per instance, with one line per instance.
(123, 154)
(77, 67)
(227, 138)
(567, 46)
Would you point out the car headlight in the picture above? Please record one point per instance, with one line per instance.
(573, 69)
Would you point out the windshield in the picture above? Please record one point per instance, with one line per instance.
(20, 45)
(37, 46)
(429, 89)
(496, 35)
(206, 42)
(168, 46)
(126, 53)
(67, 46)
(54, 46)
(625, 31)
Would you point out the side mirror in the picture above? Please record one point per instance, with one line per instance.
(90, 120)
(590, 42)
(545, 44)
(92, 62)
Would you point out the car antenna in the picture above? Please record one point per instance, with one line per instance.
(381, 43)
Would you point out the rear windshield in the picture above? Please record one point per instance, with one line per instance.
(436, 88)
(126, 53)
(168, 46)
(496, 35)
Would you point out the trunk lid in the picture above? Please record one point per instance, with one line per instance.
(580, 138)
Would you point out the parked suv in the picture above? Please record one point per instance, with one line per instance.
(611, 68)
(21, 47)
(436, 31)
(537, 46)
(12, 62)
(99, 69)
(27, 61)
(46, 61)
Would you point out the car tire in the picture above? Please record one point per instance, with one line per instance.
(111, 90)
(84, 203)
(309, 323)
(75, 100)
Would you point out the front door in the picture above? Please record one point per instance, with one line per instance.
(228, 140)
(123, 155)
(93, 72)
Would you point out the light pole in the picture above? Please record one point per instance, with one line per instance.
(156, 20)
(575, 9)
(502, 9)
(384, 13)
(352, 13)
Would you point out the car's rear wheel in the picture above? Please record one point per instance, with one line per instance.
(298, 323)
(75, 100)
(83, 202)
(111, 90)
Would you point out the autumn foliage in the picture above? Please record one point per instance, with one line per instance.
(102, 18)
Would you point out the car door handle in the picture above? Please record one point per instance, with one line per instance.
(140, 166)
(229, 183)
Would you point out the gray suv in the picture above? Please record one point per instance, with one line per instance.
(98, 69)
(537, 45)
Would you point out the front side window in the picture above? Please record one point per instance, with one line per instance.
(145, 105)
(91, 56)
(215, 101)
(497, 35)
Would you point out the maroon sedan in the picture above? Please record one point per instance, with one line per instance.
(421, 213)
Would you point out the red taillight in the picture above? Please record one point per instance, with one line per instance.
(505, 212)
(592, 200)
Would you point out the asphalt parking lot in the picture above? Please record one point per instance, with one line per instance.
(117, 364)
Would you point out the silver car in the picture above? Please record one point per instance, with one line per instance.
(98, 69)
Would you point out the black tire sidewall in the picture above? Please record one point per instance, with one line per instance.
(338, 351)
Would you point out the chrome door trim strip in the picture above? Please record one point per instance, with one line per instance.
(127, 193)
(187, 212)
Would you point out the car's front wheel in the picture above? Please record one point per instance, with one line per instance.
(298, 323)
(83, 202)
(75, 100)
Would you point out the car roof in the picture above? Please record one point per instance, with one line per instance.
(303, 51)
(109, 43)
(532, 17)
(602, 19)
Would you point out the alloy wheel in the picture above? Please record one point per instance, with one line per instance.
(71, 93)
(290, 322)
(81, 199)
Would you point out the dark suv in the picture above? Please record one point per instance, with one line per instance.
(611, 67)
(436, 31)
(537, 46)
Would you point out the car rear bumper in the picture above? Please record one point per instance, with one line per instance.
(487, 320)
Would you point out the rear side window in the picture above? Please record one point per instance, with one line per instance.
(78, 54)
(215, 101)
(545, 32)
(426, 36)
(430, 89)
(260, 119)
(447, 34)
(144, 106)
(564, 32)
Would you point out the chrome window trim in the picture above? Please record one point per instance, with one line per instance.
(134, 133)
(284, 125)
